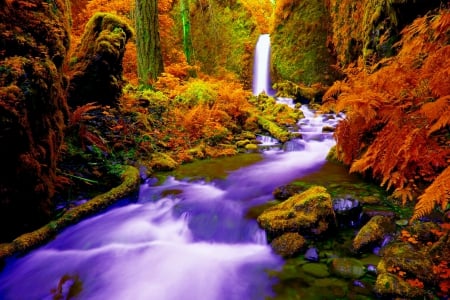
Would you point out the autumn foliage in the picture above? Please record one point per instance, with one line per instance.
(398, 115)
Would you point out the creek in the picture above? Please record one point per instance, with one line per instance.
(181, 238)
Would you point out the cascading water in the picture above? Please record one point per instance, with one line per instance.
(178, 240)
(261, 67)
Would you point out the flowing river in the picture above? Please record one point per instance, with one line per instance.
(180, 239)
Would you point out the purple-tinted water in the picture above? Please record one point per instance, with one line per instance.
(194, 244)
(261, 67)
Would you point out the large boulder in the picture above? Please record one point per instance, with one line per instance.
(308, 213)
(34, 42)
(97, 63)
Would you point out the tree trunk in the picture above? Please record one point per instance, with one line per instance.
(187, 41)
(150, 62)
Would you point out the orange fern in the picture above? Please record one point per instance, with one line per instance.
(438, 193)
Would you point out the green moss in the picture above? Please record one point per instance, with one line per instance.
(307, 212)
(215, 168)
(163, 162)
(276, 131)
(373, 232)
(299, 51)
(392, 285)
(251, 147)
(223, 37)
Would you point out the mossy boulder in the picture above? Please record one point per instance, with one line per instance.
(274, 129)
(309, 213)
(97, 68)
(391, 285)
(163, 162)
(34, 39)
(407, 258)
(288, 244)
(346, 267)
(373, 232)
(251, 147)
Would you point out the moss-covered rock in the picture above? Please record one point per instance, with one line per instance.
(163, 162)
(390, 285)
(347, 267)
(97, 68)
(276, 131)
(251, 147)
(404, 256)
(34, 39)
(288, 244)
(300, 92)
(373, 232)
(310, 212)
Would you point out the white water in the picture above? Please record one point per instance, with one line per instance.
(261, 68)
(194, 244)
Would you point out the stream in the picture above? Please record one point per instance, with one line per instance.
(185, 237)
(180, 239)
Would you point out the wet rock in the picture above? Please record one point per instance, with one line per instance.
(373, 232)
(348, 211)
(328, 129)
(347, 268)
(316, 270)
(288, 244)
(312, 254)
(371, 269)
(286, 191)
(390, 285)
(310, 213)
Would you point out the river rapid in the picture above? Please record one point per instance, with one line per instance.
(180, 239)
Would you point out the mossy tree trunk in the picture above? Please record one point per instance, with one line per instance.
(150, 62)
(187, 41)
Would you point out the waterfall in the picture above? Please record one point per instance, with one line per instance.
(261, 67)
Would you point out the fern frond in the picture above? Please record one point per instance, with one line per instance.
(437, 113)
(441, 25)
(80, 113)
(335, 90)
(404, 194)
(438, 193)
